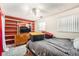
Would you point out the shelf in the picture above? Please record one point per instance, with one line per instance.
(9, 35)
(10, 42)
(9, 39)
(10, 23)
(10, 26)
(11, 30)
(7, 28)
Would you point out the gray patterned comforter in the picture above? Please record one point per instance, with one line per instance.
(53, 47)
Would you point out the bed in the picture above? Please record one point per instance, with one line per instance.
(52, 47)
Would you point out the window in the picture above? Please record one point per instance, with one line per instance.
(41, 26)
(69, 24)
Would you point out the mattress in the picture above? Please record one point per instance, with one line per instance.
(53, 47)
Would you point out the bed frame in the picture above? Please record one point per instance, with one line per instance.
(30, 52)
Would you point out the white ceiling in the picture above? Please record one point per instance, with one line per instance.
(24, 10)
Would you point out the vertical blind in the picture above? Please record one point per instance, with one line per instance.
(68, 24)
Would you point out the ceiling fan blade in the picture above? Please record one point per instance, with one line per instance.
(34, 11)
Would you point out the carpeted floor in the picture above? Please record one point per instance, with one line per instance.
(16, 51)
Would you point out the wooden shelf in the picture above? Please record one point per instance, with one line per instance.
(9, 39)
(9, 35)
(13, 32)
(11, 26)
(10, 42)
(10, 30)
(10, 23)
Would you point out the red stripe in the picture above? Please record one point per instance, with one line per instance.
(0, 36)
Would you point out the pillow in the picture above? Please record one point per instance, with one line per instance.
(47, 35)
(76, 43)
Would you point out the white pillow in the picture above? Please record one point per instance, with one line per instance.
(76, 43)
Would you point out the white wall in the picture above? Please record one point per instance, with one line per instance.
(51, 25)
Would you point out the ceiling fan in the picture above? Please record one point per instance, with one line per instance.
(36, 13)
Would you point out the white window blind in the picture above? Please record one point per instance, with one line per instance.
(68, 24)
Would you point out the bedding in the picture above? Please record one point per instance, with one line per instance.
(76, 43)
(53, 47)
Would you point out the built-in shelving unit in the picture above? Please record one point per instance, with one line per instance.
(10, 30)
